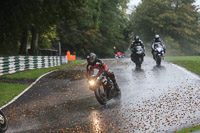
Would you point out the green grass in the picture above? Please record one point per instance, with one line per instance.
(190, 129)
(35, 73)
(9, 91)
(191, 63)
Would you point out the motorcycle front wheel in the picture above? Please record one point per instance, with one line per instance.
(158, 60)
(138, 65)
(101, 95)
(3, 122)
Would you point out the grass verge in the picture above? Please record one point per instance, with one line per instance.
(8, 91)
(192, 63)
(190, 129)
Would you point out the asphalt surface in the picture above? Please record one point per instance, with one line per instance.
(154, 99)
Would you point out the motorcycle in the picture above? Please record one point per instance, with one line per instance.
(137, 56)
(103, 88)
(119, 56)
(3, 122)
(158, 53)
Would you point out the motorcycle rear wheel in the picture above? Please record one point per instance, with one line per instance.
(118, 96)
(101, 95)
(3, 127)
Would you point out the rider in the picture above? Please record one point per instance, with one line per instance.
(93, 63)
(136, 42)
(157, 39)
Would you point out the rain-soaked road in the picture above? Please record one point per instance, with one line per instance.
(154, 99)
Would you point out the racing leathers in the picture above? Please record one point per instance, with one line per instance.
(103, 68)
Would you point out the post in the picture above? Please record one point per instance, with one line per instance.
(59, 45)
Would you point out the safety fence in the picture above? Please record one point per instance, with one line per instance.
(14, 64)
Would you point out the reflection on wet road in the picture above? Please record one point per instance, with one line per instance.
(154, 99)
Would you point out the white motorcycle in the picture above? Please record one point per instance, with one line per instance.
(158, 53)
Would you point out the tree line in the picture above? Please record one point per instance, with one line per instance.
(177, 21)
(81, 26)
(84, 26)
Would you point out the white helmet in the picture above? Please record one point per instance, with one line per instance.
(157, 36)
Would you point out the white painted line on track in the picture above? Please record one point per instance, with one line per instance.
(187, 71)
(84, 63)
(109, 59)
(15, 98)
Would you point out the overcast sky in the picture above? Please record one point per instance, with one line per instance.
(135, 3)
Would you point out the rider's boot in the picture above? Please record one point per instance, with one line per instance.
(112, 77)
(116, 86)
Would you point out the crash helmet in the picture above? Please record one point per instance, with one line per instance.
(157, 37)
(137, 38)
(91, 58)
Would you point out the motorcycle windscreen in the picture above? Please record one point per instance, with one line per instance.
(139, 50)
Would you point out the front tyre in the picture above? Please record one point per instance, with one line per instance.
(158, 60)
(100, 95)
(138, 65)
(3, 123)
(139, 62)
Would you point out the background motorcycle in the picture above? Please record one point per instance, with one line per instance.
(137, 56)
(103, 88)
(158, 53)
(3, 122)
(119, 55)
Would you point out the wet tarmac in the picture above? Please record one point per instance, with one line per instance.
(154, 99)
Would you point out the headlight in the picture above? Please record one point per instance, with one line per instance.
(91, 82)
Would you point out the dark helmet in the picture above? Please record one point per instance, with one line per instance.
(157, 37)
(91, 58)
(137, 38)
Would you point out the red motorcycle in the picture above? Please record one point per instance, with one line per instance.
(103, 88)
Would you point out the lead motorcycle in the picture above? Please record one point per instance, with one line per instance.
(137, 56)
(3, 122)
(158, 53)
(103, 88)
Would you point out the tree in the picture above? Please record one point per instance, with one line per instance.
(37, 16)
(177, 19)
(101, 25)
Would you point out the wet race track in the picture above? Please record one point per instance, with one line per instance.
(154, 99)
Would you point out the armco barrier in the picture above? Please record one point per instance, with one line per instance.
(14, 64)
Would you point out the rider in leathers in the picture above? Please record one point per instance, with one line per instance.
(94, 63)
(136, 42)
(157, 39)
